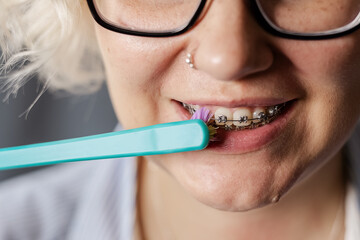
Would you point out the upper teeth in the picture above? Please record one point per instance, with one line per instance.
(239, 117)
(222, 116)
(242, 116)
(258, 113)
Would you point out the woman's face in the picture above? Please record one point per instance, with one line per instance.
(239, 65)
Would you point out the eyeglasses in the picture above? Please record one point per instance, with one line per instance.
(294, 19)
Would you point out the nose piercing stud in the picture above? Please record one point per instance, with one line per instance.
(189, 60)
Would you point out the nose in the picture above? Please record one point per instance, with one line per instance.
(231, 45)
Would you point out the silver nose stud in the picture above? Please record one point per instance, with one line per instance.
(189, 60)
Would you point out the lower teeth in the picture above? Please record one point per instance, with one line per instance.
(264, 118)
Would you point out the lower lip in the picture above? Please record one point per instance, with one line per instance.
(244, 141)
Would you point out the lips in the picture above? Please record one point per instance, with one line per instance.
(250, 138)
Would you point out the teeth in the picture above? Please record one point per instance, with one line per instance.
(195, 107)
(242, 114)
(223, 114)
(242, 117)
(271, 111)
(191, 108)
(258, 111)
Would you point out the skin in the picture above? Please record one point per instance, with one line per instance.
(183, 195)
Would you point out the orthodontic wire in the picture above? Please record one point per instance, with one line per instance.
(263, 118)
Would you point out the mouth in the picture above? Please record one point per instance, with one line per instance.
(247, 126)
(241, 118)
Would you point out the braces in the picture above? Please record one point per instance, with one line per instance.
(263, 119)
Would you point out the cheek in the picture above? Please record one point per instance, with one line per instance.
(329, 72)
(328, 68)
(135, 67)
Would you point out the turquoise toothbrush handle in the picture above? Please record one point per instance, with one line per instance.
(164, 138)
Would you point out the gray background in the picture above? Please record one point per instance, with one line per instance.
(53, 117)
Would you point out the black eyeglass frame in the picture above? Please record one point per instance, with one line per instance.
(257, 12)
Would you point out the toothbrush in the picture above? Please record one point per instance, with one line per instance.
(189, 135)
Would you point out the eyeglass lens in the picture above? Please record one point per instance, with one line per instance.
(310, 16)
(299, 16)
(147, 15)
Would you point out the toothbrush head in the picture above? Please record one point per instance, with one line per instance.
(205, 115)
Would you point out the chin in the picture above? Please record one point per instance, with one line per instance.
(235, 184)
(233, 199)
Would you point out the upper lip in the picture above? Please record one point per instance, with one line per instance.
(233, 103)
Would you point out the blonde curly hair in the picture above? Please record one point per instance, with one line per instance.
(53, 39)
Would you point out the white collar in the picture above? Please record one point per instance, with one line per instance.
(352, 214)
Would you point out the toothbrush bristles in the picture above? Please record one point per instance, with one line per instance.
(204, 114)
(212, 133)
